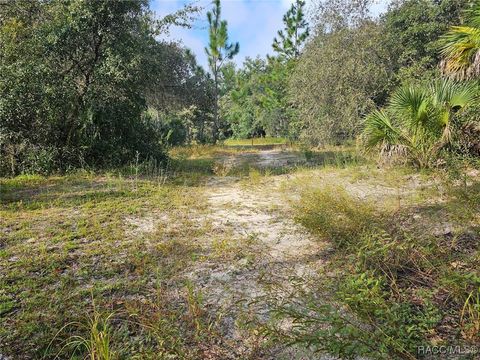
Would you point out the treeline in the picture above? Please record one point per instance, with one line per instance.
(351, 65)
(92, 84)
(89, 84)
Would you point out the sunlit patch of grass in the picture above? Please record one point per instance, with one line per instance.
(470, 315)
(207, 151)
(256, 141)
(92, 337)
(65, 238)
(332, 213)
(255, 176)
(239, 160)
(175, 323)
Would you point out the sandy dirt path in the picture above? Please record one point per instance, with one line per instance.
(252, 226)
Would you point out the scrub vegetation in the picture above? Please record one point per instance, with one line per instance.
(321, 202)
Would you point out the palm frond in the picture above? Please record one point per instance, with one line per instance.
(448, 98)
(461, 94)
(473, 15)
(412, 106)
(379, 130)
(461, 48)
(419, 121)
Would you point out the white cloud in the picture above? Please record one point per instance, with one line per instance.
(237, 13)
(286, 3)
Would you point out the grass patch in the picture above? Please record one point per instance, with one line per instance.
(256, 141)
(66, 240)
(99, 263)
(400, 277)
(201, 161)
(331, 213)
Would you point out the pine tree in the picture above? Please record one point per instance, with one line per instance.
(218, 50)
(289, 42)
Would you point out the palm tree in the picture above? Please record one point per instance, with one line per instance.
(461, 47)
(419, 121)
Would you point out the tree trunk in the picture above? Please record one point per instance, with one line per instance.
(215, 107)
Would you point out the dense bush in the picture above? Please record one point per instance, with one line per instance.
(77, 77)
(349, 66)
(354, 61)
(420, 121)
(412, 30)
(339, 79)
(256, 105)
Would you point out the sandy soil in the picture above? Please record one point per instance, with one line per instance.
(255, 224)
(254, 244)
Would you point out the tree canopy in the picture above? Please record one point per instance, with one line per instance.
(77, 78)
(290, 40)
(218, 51)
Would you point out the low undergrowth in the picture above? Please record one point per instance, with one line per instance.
(400, 277)
(97, 264)
(67, 243)
(256, 141)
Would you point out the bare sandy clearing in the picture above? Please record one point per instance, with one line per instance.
(261, 244)
(272, 158)
(253, 244)
(137, 226)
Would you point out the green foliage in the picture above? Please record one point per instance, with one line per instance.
(339, 78)
(257, 104)
(367, 323)
(180, 89)
(219, 49)
(96, 343)
(461, 47)
(290, 41)
(241, 106)
(420, 120)
(278, 115)
(354, 61)
(396, 327)
(412, 30)
(256, 141)
(383, 278)
(76, 80)
(470, 316)
(330, 212)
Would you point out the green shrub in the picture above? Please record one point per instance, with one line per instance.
(367, 322)
(394, 254)
(395, 327)
(420, 121)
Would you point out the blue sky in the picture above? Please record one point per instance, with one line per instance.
(253, 23)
